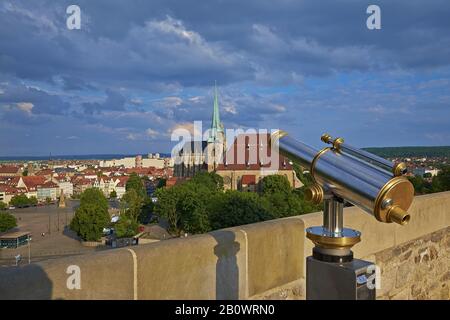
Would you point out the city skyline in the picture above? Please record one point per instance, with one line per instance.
(137, 70)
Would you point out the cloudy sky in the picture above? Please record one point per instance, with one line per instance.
(137, 69)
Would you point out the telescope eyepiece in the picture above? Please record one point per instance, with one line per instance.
(398, 215)
(314, 194)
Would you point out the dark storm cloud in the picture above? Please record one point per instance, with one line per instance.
(137, 43)
(114, 101)
(142, 66)
(33, 99)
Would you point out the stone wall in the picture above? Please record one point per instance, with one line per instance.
(259, 261)
(417, 269)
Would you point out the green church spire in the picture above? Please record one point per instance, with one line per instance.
(216, 125)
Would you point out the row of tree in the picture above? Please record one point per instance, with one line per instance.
(92, 216)
(200, 204)
(438, 183)
(21, 200)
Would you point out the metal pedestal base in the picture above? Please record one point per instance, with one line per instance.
(331, 272)
(338, 281)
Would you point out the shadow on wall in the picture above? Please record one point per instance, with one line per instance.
(227, 270)
(25, 283)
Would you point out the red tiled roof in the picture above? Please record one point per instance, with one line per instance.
(122, 181)
(9, 169)
(31, 182)
(11, 190)
(44, 172)
(48, 184)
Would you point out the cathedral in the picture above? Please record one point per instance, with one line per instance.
(242, 166)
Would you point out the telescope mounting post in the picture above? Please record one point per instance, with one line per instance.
(331, 271)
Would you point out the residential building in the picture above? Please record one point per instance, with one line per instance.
(10, 171)
(47, 190)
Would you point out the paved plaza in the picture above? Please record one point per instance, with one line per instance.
(50, 236)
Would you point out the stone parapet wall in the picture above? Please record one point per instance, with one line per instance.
(259, 261)
(417, 269)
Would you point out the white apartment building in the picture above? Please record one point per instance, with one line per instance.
(66, 186)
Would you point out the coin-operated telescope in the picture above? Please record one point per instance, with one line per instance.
(344, 173)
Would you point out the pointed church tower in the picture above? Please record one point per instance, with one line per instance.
(216, 139)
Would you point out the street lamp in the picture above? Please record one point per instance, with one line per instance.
(29, 249)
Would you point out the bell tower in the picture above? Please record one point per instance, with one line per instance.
(216, 139)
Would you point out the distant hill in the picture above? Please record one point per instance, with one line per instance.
(394, 152)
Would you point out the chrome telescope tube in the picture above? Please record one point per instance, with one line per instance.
(378, 162)
(376, 191)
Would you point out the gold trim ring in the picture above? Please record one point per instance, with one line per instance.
(401, 193)
(333, 242)
(313, 162)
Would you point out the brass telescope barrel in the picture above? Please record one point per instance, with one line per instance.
(379, 192)
(378, 162)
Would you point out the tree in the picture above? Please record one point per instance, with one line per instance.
(275, 184)
(304, 177)
(281, 204)
(91, 216)
(33, 201)
(3, 205)
(131, 203)
(192, 209)
(441, 182)
(113, 194)
(161, 183)
(210, 180)
(166, 207)
(126, 226)
(234, 208)
(19, 201)
(146, 211)
(134, 182)
(48, 200)
(7, 221)
(421, 186)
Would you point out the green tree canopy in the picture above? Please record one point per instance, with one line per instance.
(275, 184)
(126, 226)
(210, 180)
(20, 200)
(3, 205)
(113, 194)
(91, 216)
(166, 207)
(131, 203)
(136, 183)
(200, 205)
(33, 201)
(7, 221)
(441, 182)
(234, 208)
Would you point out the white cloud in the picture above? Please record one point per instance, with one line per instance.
(25, 106)
(151, 133)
